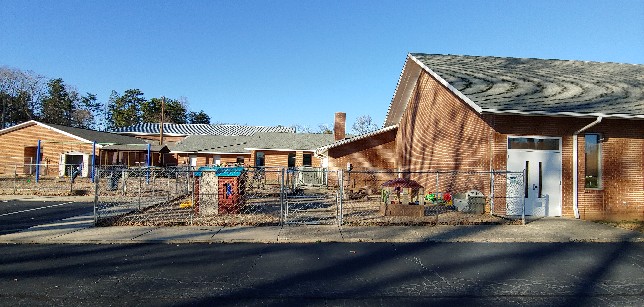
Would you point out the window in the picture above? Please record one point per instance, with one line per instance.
(593, 161)
(533, 143)
(291, 160)
(259, 159)
(240, 160)
(307, 159)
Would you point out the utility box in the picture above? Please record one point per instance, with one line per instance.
(472, 201)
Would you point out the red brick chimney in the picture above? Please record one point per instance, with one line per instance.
(339, 125)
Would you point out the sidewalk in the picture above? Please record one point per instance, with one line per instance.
(80, 230)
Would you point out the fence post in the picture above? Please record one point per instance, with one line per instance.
(492, 193)
(282, 199)
(124, 188)
(192, 199)
(71, 181)
(140, 188)
(96, 180)
(341, 182)
(523, 209)
(15, 179)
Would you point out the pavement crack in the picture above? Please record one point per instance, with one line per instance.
(424, 268)
(149, 231)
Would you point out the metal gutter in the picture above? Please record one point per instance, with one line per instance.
(562, 114)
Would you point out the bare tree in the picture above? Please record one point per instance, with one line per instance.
(363, 124)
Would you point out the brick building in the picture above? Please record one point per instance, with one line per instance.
(576, 128)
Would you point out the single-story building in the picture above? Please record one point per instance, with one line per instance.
(576, 128)
(61, 147)
(262, 149)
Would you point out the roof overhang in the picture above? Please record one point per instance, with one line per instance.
(278, 149)
(326, 148)
(561, 114)
(442, 81)
(33, 122)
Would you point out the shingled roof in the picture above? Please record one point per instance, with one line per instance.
(258, 141)
(537, 86)
(199, 129)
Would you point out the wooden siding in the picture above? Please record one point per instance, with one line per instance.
(53, 144)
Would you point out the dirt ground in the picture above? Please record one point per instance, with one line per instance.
(630, 225)
(266, 212)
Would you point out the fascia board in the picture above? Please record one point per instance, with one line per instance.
(456, 92)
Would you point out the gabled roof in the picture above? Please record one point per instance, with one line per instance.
(199, 129)
(82, 135)
(530, 86)
(138, 147)
(219, 144)
(295, 141)
(212, 144)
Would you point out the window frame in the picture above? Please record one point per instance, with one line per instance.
(260, 156)
(310, 155)
(599, 166)
(291, 160)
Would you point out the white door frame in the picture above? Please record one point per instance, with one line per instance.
(538, 206)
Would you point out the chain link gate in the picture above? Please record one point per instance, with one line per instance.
(308, 197)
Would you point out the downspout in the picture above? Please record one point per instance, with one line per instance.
(575, 167)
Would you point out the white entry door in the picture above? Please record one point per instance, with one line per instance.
(542, 165)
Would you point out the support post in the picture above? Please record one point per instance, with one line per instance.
(96, 182)
(93, 160)
(38, 162)
(147, 172)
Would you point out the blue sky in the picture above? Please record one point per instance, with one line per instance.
(295, 62)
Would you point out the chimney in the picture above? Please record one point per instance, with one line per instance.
(339, 125)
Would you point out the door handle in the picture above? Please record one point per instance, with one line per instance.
(534, 187)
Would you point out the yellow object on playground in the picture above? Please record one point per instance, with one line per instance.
(185, 204)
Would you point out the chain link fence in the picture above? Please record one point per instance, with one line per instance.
(233, 196)
(387, 197)
(52, 179)
(143, 196)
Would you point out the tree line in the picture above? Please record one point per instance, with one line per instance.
(25, 95)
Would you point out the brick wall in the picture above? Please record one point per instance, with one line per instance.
(438, 131)
(621, 161)
(622, 193)
(377, 152)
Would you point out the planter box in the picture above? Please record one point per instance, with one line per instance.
(402, 210)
